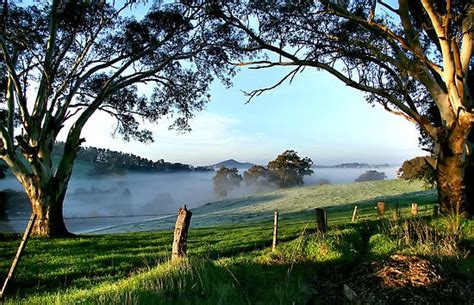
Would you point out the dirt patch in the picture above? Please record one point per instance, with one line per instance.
(396, 280)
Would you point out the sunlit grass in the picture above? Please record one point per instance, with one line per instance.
(228, 263)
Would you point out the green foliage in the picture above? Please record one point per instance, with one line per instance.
(419, 168)
(289, 169)
(344, 245)
(371, 175)
(381, 245)
(225, 180)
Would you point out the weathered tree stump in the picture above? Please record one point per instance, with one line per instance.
(275, 230)
(181, 228)
(321, 220)
(414, 209)
(380, 208)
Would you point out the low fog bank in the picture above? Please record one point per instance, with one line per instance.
(155, 194)
(346, 175)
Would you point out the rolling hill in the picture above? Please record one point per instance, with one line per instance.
(294, 203)
(231, 163)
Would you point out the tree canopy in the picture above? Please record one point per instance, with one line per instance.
(63, 61)
(289, 169)
(419, 168)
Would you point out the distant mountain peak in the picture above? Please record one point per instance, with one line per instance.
(230, 163)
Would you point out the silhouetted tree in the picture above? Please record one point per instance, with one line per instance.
(413, 57)
(288, 169)
(371, 175)
(225, 180)
(63, 61)
(419, 168)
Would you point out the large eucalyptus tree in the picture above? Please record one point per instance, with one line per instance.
(413, 57)
(63, 60)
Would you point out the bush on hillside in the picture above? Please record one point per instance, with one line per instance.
(371, 175)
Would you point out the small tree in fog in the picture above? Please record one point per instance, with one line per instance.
(371, 175)
(289, 169)
(63, 61)
(258, 176)
(225, 180)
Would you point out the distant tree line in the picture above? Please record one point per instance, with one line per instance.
(287, 170)
(114, 162)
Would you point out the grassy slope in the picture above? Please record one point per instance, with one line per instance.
(298, 203)
(229, 264)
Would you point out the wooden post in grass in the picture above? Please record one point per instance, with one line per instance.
(435, 210)
(321, 220)
(354, 214)
(380, 208)
(426, 209)
(275, 230)
(181, 233)
(414, 209)
(19, 252)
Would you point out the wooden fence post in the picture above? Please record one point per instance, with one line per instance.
(19, 252)
(380, 208)
(181, 228)
(354, 214)
(414, 209)
(321, 220)
(275, 230)
(435, 210)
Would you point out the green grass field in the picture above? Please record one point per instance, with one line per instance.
(230, 260)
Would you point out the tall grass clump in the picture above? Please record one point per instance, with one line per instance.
(441, 238)
(343, 245)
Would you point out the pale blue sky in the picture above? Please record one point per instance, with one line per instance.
(316, 115)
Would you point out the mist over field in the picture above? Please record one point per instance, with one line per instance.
(137, 197)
